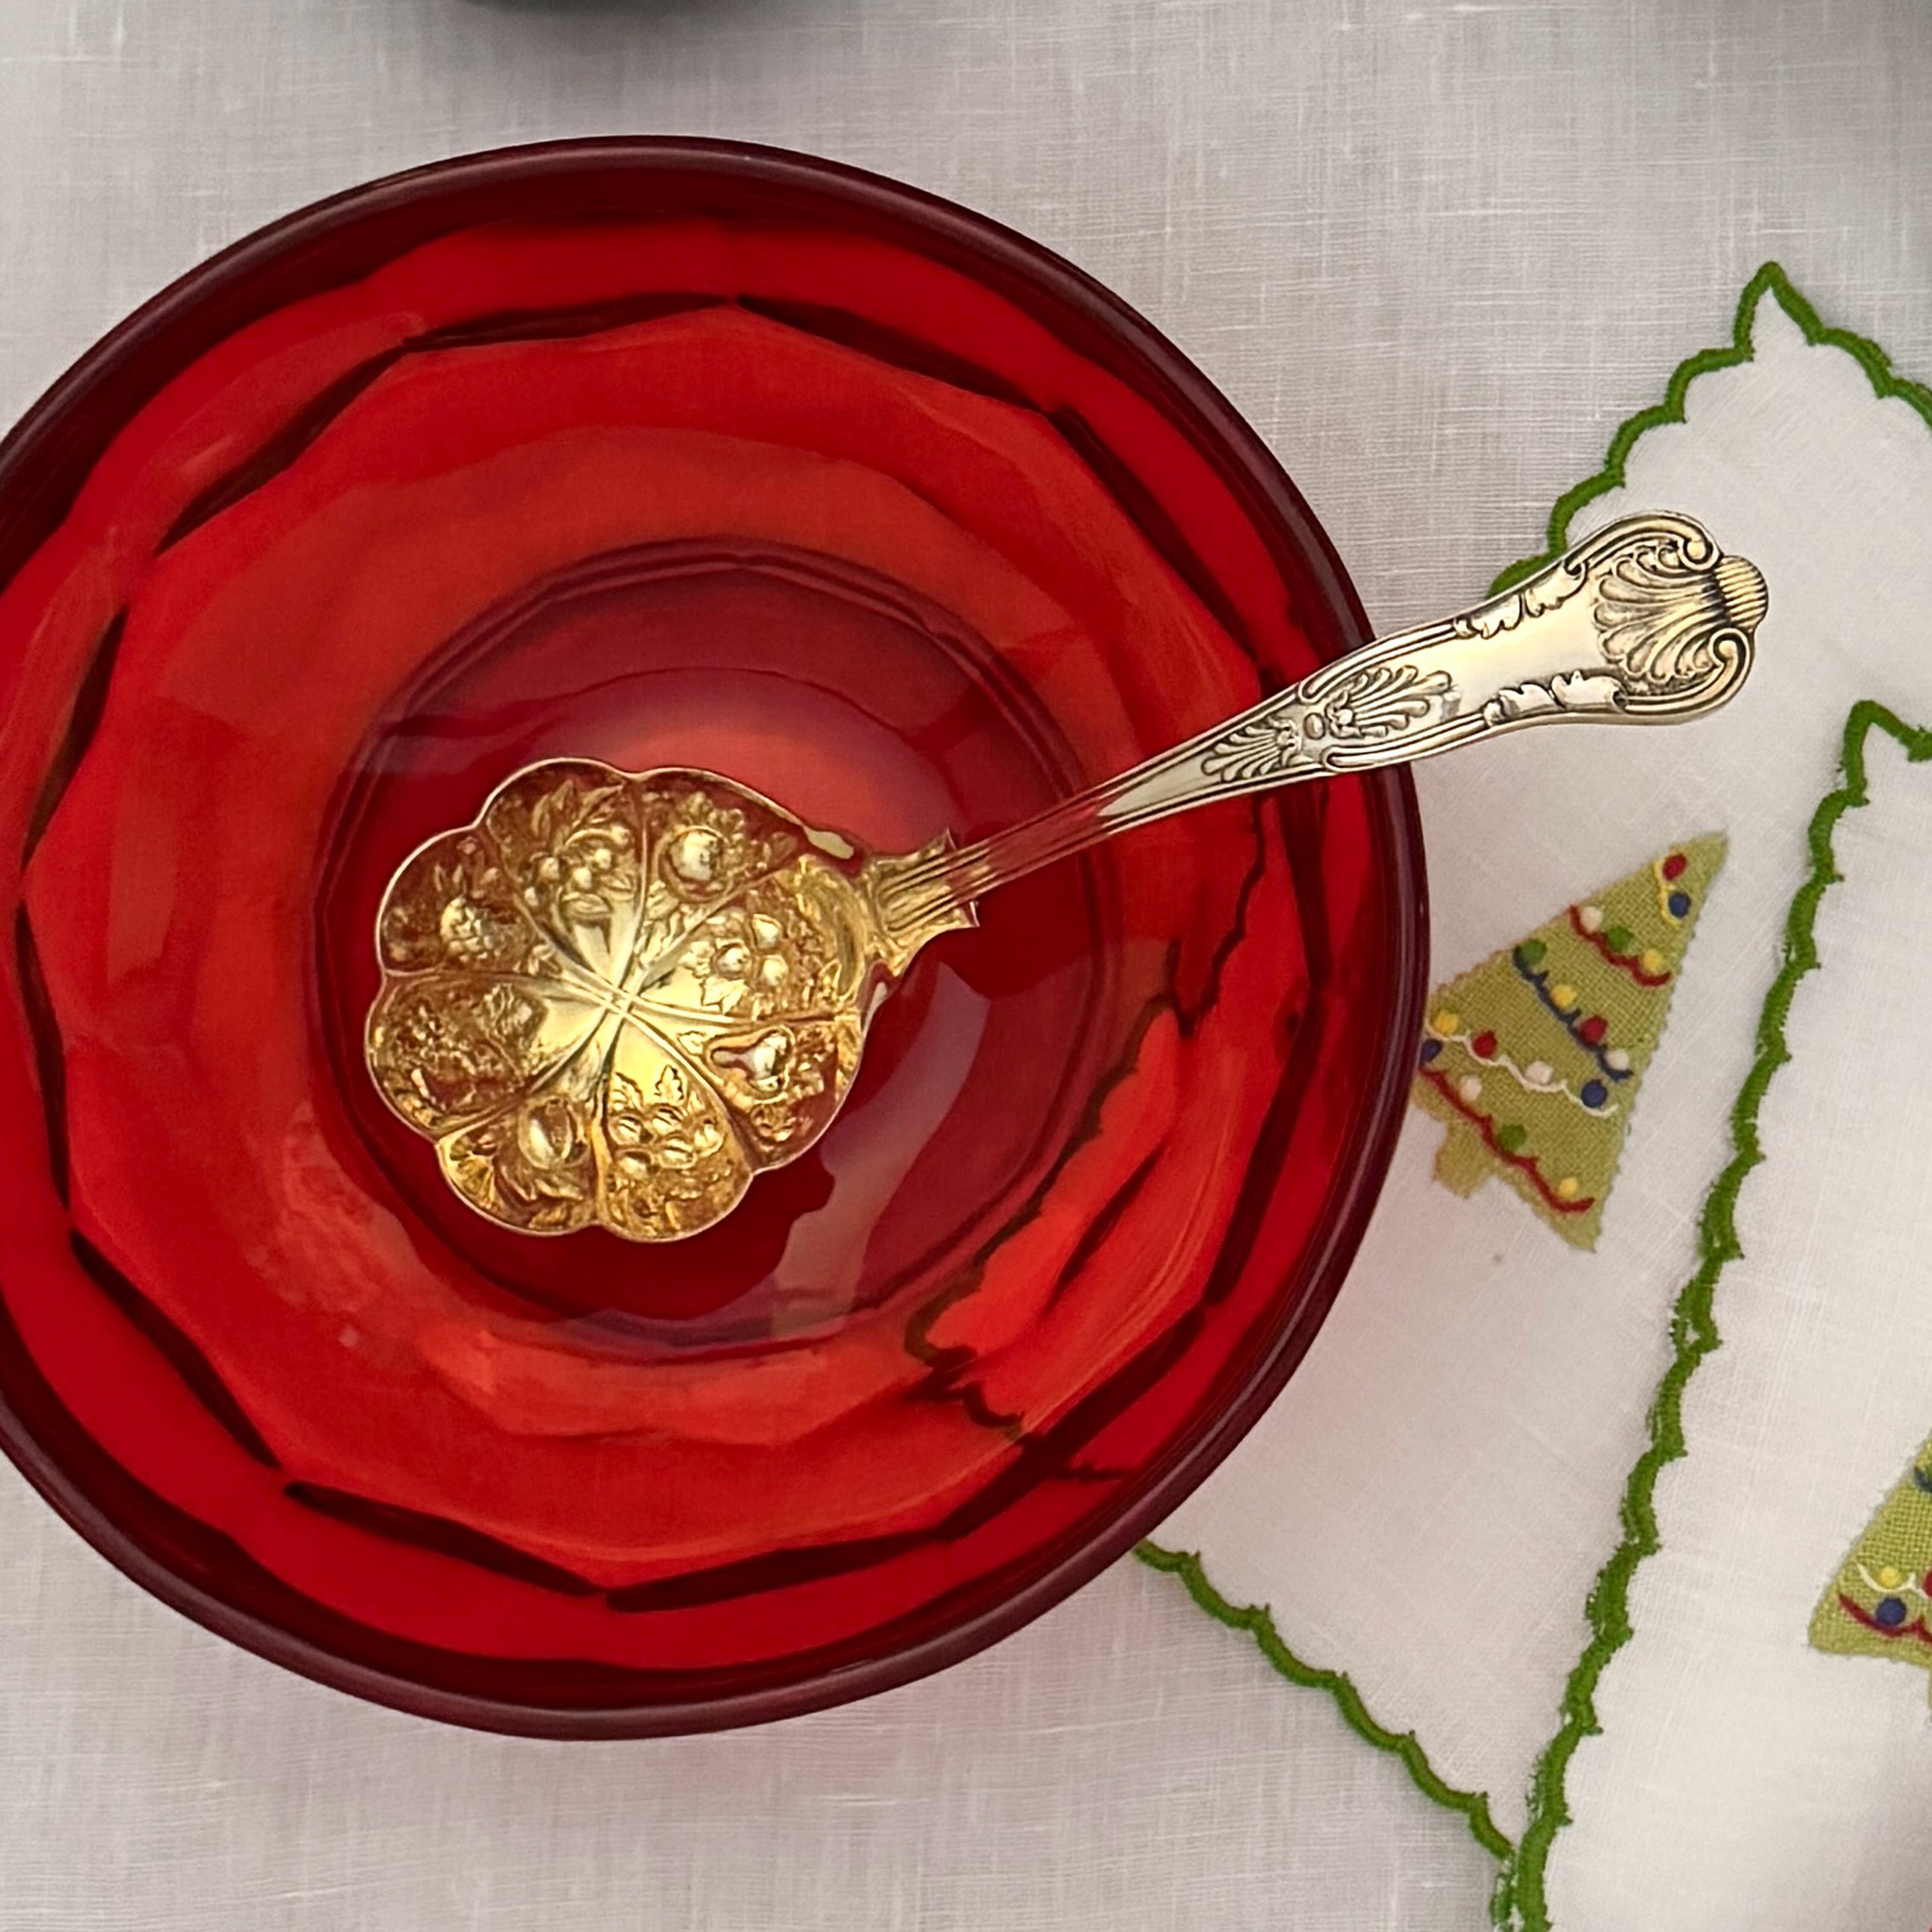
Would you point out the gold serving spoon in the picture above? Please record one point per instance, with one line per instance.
(615, 998)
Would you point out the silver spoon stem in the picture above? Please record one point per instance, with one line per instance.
(1646, 622)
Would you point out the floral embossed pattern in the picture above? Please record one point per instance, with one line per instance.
(612, 1000)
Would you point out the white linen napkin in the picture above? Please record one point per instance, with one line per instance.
(1452, 1503)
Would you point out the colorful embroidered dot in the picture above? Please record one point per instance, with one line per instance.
(1673, 900)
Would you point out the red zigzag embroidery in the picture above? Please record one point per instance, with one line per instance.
(1488, 1129)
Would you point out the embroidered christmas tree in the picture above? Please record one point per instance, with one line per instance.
(1877, 1604)
(1533, 1059)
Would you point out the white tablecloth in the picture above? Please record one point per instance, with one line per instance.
(1436, 251)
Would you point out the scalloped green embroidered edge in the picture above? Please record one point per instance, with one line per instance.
(1520, 1896)
(1770, 280)
(1693, 1331)
(1255, 1620)
(1694, 1327)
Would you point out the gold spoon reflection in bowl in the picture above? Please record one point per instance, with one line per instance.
(615, 998)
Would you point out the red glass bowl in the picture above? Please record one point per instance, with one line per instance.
(661, 452)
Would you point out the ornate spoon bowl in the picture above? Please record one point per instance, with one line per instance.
(614, 999)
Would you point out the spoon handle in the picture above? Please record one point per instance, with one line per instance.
(1646, 622)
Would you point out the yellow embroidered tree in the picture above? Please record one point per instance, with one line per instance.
(1533, 1059)
(1877, 1604)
